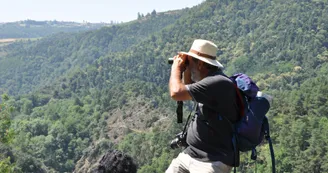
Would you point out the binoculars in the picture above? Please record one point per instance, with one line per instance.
(170, 60)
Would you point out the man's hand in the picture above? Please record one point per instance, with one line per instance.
(178, 90)
(182, 64)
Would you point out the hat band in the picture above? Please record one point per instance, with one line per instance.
(202, 54)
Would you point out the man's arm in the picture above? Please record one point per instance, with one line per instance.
(178, 90)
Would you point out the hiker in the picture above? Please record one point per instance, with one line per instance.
(115, 162)
(210, 148)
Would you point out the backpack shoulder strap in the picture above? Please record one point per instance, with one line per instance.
(240, 103)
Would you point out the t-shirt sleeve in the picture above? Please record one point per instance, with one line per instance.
(211, 91)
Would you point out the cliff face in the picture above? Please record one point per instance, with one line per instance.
(137, 116)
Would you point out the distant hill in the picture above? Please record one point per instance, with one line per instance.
(57, 54)
(32, 28)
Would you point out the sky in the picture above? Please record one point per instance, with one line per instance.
(93, 11)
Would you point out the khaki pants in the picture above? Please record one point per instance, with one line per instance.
(186, 164)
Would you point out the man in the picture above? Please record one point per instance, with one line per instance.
(209, 135)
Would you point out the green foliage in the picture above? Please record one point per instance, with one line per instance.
(6, 134)
(159, 164)
(6, 166)
(78, 83)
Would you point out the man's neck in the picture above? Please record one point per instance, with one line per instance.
(204, 73)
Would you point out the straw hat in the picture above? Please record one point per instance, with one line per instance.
(204, 50)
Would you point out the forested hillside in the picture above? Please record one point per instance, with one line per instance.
(35, 29)
(108, 88)
(28, 65)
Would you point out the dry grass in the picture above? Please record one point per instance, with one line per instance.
(8, 40)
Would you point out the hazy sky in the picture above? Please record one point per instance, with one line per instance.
(85, 10)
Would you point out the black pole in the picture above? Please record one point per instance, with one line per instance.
(179, 111)
(180, 108)
(272, 155)
(268, 138)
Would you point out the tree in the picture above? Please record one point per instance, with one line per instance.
(139, 16)
(6, 134)
(153, 13)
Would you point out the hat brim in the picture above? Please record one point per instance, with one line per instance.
(207, 60)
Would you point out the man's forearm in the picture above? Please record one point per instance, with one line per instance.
(175, 84)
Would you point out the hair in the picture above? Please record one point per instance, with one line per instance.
(115, 162)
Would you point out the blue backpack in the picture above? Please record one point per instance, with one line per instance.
(253, 125)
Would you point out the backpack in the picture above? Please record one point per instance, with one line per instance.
(252, 127)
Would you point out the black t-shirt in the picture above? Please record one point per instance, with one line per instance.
(210, 134)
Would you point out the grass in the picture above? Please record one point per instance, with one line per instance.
(7, 41)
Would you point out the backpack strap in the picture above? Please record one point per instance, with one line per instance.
(241, 108)
(234, 141)
(240, 103)
(235, 149)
